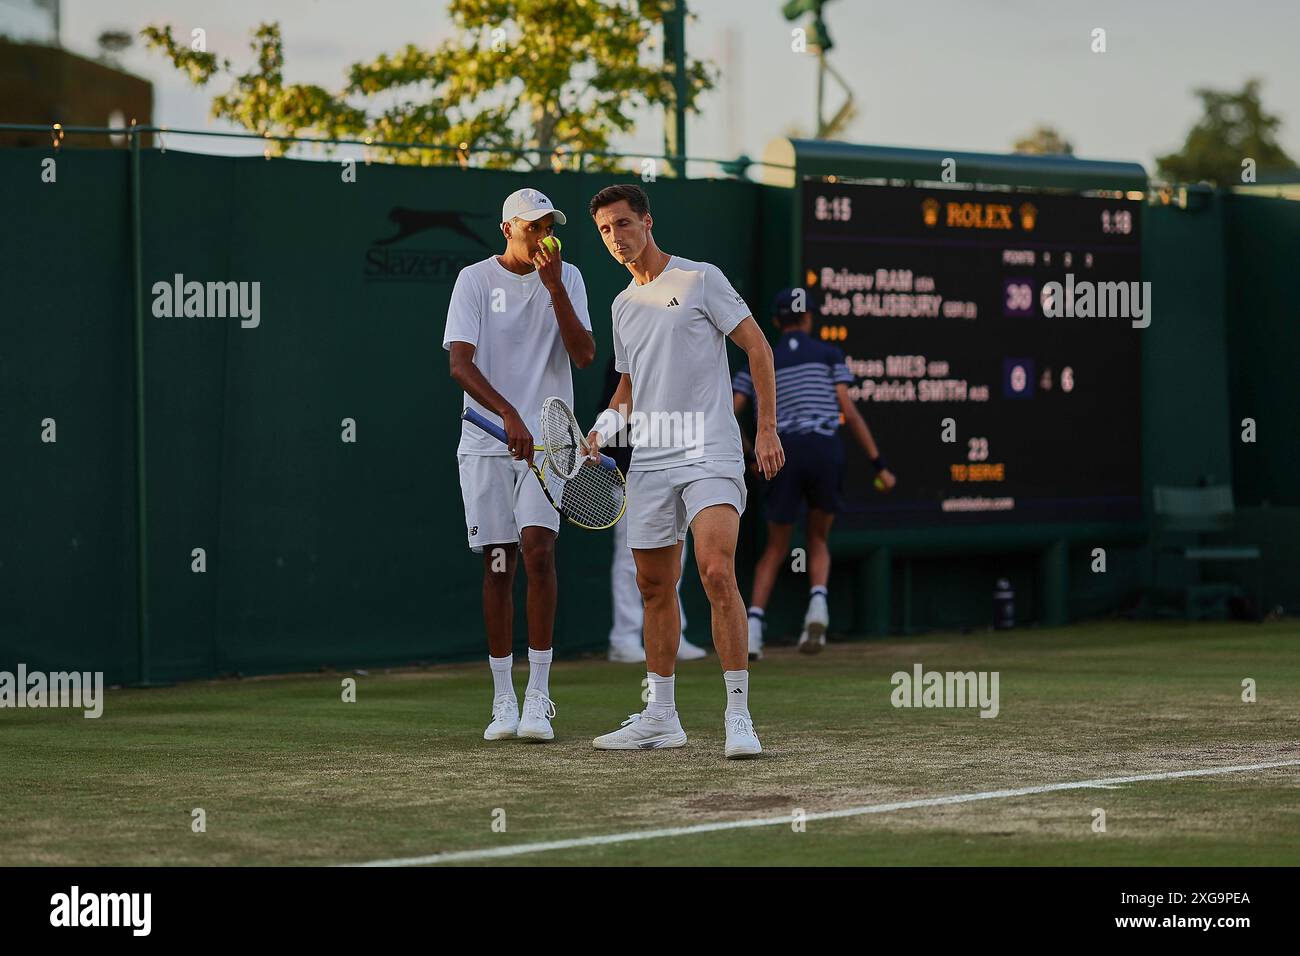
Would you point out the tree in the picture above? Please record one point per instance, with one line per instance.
(1233, 127)
(552, 77)
(1044, 140)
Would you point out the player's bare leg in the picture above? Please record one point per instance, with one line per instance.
(716, 529)
(538, 545)
(817, 619)
(819, 552)
(656, 727)
(539, 565)
(769, 562)
(657, 571)
(499, 561)
(765, 574)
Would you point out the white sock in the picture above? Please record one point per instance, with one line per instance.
(501, 685)
(756, 612)
(737, 692)
(663, 695)
(819, 589)
(539, 671)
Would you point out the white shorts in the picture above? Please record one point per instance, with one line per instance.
(661, 504)
(502, 498)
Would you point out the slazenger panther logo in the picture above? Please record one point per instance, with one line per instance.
(413, 221)
(438, 259)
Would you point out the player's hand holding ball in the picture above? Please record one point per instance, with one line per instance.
(548, 263)
(885, 480)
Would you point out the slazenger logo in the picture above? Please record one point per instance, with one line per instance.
(103, 909)
(384, 263)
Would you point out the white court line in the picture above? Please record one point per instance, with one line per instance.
(520, 849)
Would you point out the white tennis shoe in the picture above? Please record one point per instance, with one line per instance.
(644, 732)
(755, 639)
(626, 652)
(807, 645)
(629, 653)
(686, 651)
(815, 623)
(536, 721)
(742, 741)
(505, 718)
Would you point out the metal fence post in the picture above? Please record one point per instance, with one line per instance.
(141, 499)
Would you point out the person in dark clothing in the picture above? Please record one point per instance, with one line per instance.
(812, 400)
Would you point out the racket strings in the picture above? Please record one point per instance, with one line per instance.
(592, 498)
(559, 439)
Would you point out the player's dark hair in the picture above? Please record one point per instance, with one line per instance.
(634, 194)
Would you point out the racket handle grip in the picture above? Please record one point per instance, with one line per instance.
(492, 428)
(497, 432)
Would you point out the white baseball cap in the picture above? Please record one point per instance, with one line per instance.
(529, 205)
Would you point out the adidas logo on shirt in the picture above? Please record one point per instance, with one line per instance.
(673, 301)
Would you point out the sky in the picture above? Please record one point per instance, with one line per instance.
(949, 74)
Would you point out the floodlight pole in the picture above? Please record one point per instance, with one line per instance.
(675, 48)
(821, 91)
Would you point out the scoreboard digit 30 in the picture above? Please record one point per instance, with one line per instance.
(994, 341)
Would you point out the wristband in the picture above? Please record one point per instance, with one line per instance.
(609, 424)
(878, 463)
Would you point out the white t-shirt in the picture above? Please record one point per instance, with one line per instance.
(510, 321)
(670, 336)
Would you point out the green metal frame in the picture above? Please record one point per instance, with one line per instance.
(133, 131)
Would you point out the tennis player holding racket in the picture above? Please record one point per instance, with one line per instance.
(514, 324)
(671, 324)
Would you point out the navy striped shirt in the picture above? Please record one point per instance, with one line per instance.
(807, 372)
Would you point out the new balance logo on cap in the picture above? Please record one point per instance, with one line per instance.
(673, 301)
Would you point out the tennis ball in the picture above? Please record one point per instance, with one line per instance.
(552, 243)
(879, 483)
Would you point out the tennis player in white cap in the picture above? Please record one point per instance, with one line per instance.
(515, 323)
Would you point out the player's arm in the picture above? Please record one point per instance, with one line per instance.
(857, 426)
(767, 446)
(471, 378)
(578, 340)
(613, 419)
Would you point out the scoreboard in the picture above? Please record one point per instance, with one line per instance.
(987, 356)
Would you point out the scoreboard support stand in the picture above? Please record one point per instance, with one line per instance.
(872, 612)
(874, 591)
(1054, 572)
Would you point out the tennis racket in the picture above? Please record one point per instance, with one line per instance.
(588, 494)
